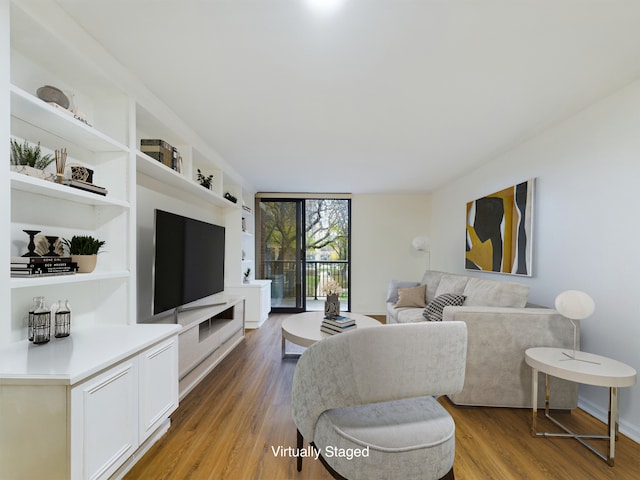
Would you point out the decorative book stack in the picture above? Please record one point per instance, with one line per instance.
(339, 324)
(89, 187)
(42, 266)
(161, 151)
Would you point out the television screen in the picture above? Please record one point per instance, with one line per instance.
(188, 260)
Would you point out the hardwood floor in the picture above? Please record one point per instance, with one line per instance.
(231, 424)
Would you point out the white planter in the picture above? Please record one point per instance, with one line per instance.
(33, 172)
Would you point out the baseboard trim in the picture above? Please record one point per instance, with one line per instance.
(142, 449)
(626, 428)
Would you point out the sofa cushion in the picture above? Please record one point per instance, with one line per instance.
(492, 293)
(416, 434)
(392, 292)
(409, 315)
(433, 312)
(450, 283)
(431, 279)
(411, 297)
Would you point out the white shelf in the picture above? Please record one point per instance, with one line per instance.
(154, 169)
(40, 114)
(39, 186)
(67, 279)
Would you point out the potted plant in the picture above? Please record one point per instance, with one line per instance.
(84, 251)
(28, 159)
(205, 181)
(246, 275)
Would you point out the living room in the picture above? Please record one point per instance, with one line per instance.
(583, 158)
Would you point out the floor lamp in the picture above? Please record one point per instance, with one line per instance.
(421, 244)
(575, 305)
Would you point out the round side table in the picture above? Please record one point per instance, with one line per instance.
(584, 368)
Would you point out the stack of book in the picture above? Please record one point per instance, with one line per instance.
(42, 266)
(89, 187)
(335, 325)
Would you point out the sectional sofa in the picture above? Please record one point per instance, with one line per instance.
(501, 325)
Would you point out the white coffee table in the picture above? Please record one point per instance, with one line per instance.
(586, 368)
(304, 328)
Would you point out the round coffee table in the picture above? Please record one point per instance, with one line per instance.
(304, 328)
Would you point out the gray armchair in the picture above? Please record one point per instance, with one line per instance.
(365, 400)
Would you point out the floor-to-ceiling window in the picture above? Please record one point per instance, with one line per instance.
(303, 243)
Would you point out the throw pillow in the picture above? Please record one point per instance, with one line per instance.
(392, 293)
(411, 297)
(434, 310)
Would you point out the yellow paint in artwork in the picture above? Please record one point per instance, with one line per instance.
(508, 241)
(481, 253)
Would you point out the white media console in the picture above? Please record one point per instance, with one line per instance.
(209, 332)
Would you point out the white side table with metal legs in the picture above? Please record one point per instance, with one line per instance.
(583, 368)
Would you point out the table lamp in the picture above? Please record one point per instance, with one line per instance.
(574, 305)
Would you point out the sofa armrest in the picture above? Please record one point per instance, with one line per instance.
(497, 374)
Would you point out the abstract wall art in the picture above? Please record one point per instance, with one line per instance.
(499, 231)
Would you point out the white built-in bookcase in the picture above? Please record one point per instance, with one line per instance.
(48, 48)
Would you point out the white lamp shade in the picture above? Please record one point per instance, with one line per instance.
(575, 304)
(419, 244)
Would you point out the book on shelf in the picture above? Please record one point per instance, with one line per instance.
(89, 187)
(36, 269)
(33, 260)
(161, 151)
(40, 274)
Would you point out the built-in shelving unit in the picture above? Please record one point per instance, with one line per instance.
(48, 48)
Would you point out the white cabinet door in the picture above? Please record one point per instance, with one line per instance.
(158, 385)
(265, 302)
(104, 420)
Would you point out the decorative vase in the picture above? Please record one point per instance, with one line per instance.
(332, 306)
(86, 263)
(62, 323)
(41, 323)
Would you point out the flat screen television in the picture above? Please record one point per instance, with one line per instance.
(188, 260)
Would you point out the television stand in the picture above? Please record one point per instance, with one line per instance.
(209, 333)
(187, 309)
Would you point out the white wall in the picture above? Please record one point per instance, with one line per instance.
(5, 197)
(586, 228)
(382, 229)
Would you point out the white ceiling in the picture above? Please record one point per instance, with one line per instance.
(381, 96)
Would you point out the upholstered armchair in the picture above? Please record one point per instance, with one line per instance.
(365, 400)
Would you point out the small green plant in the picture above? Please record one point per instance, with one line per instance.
(205, 181)
(83, 245)
(27, 154)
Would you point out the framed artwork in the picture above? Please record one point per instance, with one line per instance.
(499, 231)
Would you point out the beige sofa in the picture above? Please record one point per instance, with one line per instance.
(501, 326)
